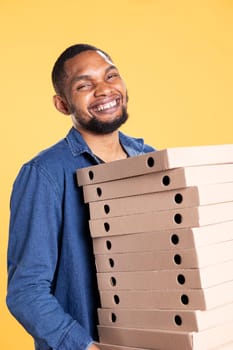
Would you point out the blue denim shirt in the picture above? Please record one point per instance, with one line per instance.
(52, 288)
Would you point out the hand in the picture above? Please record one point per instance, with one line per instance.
(93, 347)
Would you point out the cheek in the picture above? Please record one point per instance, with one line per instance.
(81, 101)
(125, 94)
(124, 91)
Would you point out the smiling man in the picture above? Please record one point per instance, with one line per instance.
(94, 94)
(52, 288)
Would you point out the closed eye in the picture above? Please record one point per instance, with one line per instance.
(84, 86)
(112, 76)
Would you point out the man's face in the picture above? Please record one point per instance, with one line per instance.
(95, 93)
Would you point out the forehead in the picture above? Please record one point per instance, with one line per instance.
(86, 63)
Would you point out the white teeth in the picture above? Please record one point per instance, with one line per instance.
(106, 105)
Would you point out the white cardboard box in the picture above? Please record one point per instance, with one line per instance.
(167, 340)
(156, 161)
(160, 181)
(175, 320)
(167, 279)
(174, 199)
(186, 238)
(162, 220)
(165, 259)
(179, 299)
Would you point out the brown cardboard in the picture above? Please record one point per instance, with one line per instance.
(165, 259)
(184, 299)
(176, 320)
(167, 279)
(157, 182)
(186, 238)
(156, 161)
(182, 198)
(164, 219)
(167, 340)
(102, 346)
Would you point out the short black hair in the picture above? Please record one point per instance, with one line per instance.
(58, 72)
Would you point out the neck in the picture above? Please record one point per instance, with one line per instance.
(106, 147)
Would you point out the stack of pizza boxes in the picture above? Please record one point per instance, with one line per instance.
(162, 229)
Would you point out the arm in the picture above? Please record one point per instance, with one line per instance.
(35, 231)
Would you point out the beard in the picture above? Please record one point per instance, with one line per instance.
(99, 127)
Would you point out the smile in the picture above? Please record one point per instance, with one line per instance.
(106, 106)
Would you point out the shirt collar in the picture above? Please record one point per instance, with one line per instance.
(133, 146)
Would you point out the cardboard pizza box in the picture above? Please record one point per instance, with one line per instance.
(185, 238)
(165, 259)
(174, 199)
(208, 339)
(166, 279)
(158, 182)
(103, 346)
(228, 346)
(184, 299)
(156, 161)
(175, 320)
(162, 220)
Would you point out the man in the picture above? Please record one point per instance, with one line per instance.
(52, 288)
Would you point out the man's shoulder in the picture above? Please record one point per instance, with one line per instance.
(61, 158)
(46, 167)
(51, 156)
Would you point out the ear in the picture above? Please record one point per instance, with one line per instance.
(61, 104)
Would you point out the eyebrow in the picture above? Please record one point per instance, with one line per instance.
(88, 77)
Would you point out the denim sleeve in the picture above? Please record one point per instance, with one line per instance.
(35, 228)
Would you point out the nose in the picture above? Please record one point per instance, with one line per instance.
(103, 88)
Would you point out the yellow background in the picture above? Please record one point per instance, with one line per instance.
(176, 58)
